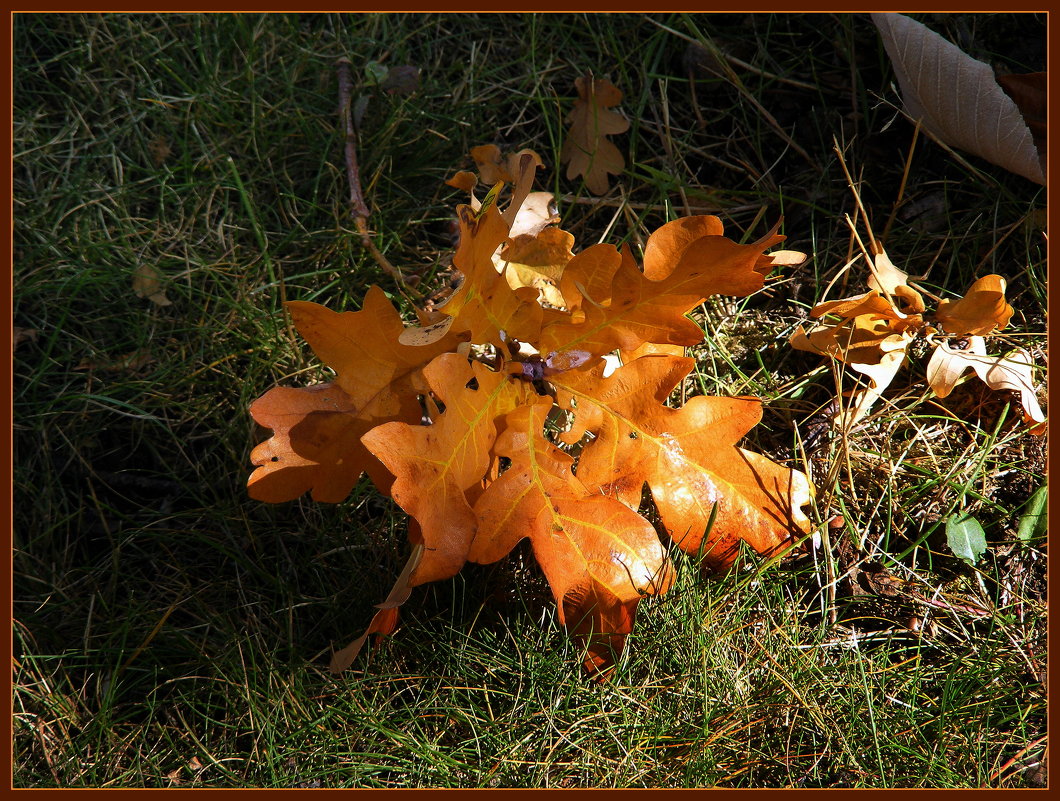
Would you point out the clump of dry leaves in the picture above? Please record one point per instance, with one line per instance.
(872, 334)
(533, 403)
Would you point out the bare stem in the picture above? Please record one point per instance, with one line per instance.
(358, 208)
(357, 204)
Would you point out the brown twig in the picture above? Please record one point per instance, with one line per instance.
(358, 207)
(357, 204)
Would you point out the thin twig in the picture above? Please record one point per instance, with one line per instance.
(358, 207)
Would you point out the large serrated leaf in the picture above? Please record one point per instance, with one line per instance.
(966, 537)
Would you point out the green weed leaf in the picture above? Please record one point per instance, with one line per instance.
(375, 72)
(1035, 518)
(966, 537)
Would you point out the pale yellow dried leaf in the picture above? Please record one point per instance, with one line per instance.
(880, 376)
(537, 260)
(888, 279)
(536, 211)
(787, 258)
(1014, 371)
(147, 283)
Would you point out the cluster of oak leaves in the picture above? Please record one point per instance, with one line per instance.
(533, 403)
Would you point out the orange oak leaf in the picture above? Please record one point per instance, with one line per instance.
(315, 445)
(586, 150)
(600, 556)
(641, 310)
(872, 337)
(436, 466)
(491, 169)
(668, 243)
(981, 311)
(484, 305)
(316, 441)
(537, 260)
(870, 326)
(466, 181)
(688, 457)
(587, 278)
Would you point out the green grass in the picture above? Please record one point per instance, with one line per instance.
(170, 631)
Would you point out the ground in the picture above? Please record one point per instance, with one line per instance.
(170, 631)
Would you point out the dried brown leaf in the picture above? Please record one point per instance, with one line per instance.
(981, 311)
(147, 283)
(23, 335)
(586, 150)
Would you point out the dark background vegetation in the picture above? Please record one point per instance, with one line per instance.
(170, 631)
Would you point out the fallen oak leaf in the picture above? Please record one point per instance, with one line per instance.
(1014, 371)
(147, 283)
(537, 260)
(317, 430)
(873, 335)
(880, 374)
(688, 457)
(466, 181)
(643, 310)
(891, 281)
(436, 466)
(668, 244)
(537, 211)
(490, 166)
(315, 446)
(586, 150)
(524, 166)
(599, 556)
(470, 400)
(981, 311)
(870, 326)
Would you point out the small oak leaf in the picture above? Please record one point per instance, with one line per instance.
(537, 260)
(587, 151)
